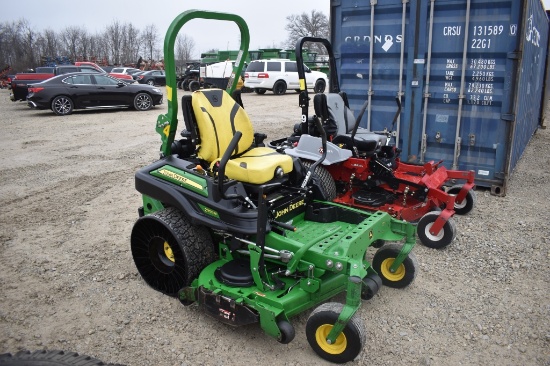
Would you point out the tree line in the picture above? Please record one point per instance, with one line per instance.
(23, 47)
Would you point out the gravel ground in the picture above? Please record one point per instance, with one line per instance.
(68, 280)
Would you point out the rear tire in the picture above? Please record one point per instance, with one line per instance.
(62, 105)
(170, 252)
(279, 88)
(143, 102)
(325, 180)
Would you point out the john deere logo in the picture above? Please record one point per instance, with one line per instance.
(289, 208)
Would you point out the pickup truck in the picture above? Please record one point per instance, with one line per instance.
(21, 81)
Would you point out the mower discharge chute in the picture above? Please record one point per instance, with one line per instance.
(225, 223)
(365, 170)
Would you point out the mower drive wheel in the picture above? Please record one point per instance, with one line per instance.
(405, 273)
(467, 204)
(62, 105)
(325, 179)
(347, 345)
(170, 252)
(440, 240)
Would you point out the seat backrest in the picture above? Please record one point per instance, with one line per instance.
(338, 113)
(218, 117)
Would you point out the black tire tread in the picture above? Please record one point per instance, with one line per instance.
(50, 358)
(194, 249)
(327, 182)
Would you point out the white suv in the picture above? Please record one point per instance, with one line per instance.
(279, 75)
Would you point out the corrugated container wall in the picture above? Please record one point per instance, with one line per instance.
(469, 74)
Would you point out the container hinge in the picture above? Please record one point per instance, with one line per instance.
(514, 55)
(427, 95)
(373, 2)
(508, 117)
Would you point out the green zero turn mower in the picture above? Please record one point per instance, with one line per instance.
(245, 231)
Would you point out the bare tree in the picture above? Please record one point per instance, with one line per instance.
(185, 46)
(315, 24)
(131, 44)
(114, 36)
(150, 39)
(71, 38)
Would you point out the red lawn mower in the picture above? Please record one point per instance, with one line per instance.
(363, 170)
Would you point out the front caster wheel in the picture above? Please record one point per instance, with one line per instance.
(287, 332)
(348, 344)
(405, 273)
(439, 240)
(467, 204)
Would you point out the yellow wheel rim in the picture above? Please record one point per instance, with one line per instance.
(398, 275)
(337, 347)
(168, 252)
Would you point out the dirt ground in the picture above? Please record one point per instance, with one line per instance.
(68, 281)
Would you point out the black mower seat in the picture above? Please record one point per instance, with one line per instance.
(340, 120)
(218, 117)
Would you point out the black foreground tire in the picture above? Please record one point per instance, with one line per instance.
(349, 343)
(194, 86)
(320, 86)
(440, 240)
(325, 179)
(170, 252)
(405, 273)
(279, 88)
(62, 105)
(467, 204)
(50, 358)
(143, 102)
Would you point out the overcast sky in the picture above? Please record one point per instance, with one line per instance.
(266, 20)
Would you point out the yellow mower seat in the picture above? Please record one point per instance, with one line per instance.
(218, 117)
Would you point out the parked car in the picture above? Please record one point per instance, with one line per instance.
(65, 93)
(151, 77)
(279, 75)
(125, 70)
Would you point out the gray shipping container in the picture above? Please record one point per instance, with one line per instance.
(469, 74)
